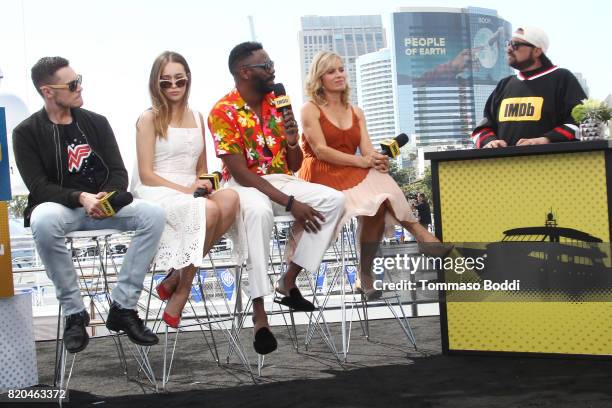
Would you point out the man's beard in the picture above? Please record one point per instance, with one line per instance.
(262, 85)
(521, 66)
(75, 103)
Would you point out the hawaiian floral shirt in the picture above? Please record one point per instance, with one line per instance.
(236, 129)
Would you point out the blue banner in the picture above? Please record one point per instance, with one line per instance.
(321, 276)
(196, 295)
(225, 277)
(399, 235)
(351, 273)
(5, 181)
(228, 282)
(157, 278)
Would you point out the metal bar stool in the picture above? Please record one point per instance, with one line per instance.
(347, 256)
(279, 239)
(97, 269)
(277, 244)
(213, 318)
(241, 312)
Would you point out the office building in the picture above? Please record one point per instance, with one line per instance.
(348, 36)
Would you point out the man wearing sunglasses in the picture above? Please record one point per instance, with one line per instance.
(534, 106)
(69, 159)
(258, 145)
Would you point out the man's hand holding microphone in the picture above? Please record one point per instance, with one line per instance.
(304, 215)
(103, 204)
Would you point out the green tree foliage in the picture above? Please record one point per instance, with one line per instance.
(426, 183)
(421, 186)
(402, 177)
(17, 205)
(406, 180)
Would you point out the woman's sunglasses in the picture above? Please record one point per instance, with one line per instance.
(167, 83)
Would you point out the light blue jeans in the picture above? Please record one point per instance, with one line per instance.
(51, 222)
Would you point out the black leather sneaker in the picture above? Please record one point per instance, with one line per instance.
(75, 335)
(127, 320)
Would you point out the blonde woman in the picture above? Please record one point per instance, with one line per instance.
(171, 154)
(333, 131)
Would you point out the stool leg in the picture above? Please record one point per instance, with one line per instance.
(168, 364)
(212, 348)
(232, 337)
(367, 318)
(260, 363)
(208, 314)
(402, 321)
(58, 348)
(60, 359)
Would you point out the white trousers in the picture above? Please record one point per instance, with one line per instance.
(258, 213)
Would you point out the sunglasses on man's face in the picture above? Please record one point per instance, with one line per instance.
(268, 65)
(515, 45)
(71, 86)
(167, 83)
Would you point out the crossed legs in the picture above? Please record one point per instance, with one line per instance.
(371, 232)
(221, 209)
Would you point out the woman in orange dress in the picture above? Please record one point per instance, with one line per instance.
(333, 131)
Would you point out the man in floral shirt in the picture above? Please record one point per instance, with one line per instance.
(259, 149)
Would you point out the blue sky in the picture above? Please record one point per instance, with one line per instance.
(113, 43)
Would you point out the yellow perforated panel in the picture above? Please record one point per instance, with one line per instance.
(535, 327)
(6, 276)
(479, 199)
(482, 198)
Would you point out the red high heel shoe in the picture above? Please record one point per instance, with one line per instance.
(162, 292)
(172, 321)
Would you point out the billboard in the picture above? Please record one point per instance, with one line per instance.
(449, 48)
(488, 38)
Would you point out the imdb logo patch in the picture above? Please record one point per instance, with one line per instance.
(521, 109)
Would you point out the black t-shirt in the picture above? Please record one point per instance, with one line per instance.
(85, 171)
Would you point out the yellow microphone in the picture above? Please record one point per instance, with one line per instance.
(114, 201)
(281, 101)
(391, 147)
(214, 178)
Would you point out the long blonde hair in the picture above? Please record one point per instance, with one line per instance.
(159, 102)
(321, 63)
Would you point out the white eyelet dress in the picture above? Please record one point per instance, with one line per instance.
(176, 158)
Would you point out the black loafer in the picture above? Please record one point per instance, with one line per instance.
(127, 320)
(265, 342)
(75, 335)
(296, 301)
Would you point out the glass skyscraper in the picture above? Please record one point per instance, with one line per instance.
(348, 36)
(375, 91)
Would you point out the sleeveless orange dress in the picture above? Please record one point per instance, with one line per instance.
(365, 189)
